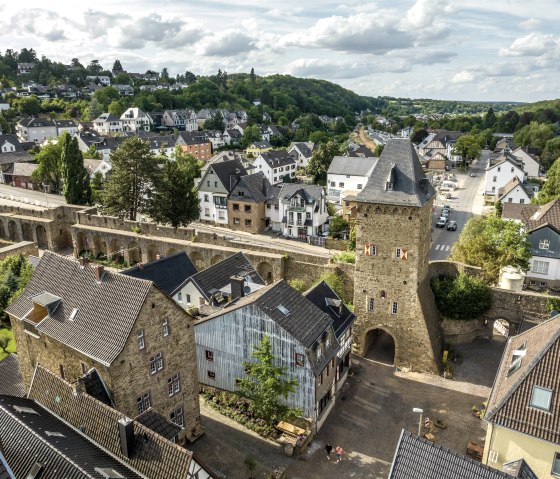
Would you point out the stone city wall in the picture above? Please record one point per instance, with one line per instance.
(25, 248)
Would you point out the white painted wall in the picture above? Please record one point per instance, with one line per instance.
(339, 185)
(498, 176)
(517, 195)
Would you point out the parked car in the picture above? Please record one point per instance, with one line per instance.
(472, 175)
(445, 213)
(441, 222)
(446, 207)
(452, 226)
(448, 196)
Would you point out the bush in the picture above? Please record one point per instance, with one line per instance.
(345, 257)
(461, 297)
(336, 282)
(297, 284)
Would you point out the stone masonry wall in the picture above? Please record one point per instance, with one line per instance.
(25, 248)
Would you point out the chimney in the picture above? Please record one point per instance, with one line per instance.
(237, 284)
(99, 270)
(140, 265)
(84, 261)
(126, 433)
(158, 256)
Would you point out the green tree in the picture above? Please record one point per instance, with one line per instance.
(175, 199)
(321, 160)
(129, 188)
(467, 147)
(94, 67)
(336, 283)
(190, 78)
(77, 189)
(105, 96)
(462, 297)
(27, 105)
(117, 67)
(250, 135)
(551, 187)
(265, 384)
(534, 134)
(49, 171)
(96, 187)
(550, 153)
(499, 208)
(15, 272)
(215, 123)
(337, 226)
(492, 243)
(490, 119)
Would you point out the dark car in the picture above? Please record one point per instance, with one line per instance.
(452, 226)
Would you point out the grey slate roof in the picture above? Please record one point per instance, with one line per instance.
(217, 276)
(347, 165)
(411, 187)
(15, 157)
(257, 185)
(228, 172)
(25, 441)
(311, 193)
(159, 424)
(417, 458)
(11, 382)
(168, 273)
(322, 296)
(21, 169)
(107, 310)
(303, 149)
(13, 140)
(276, 158)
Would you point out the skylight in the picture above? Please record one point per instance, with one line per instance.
(54, 434)
(73, 314)
(108, 473)
(25, 409)
(283, 309)
(517, 358)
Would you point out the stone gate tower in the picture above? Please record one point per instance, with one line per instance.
(391, 286)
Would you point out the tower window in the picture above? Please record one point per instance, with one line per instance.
(394, 308)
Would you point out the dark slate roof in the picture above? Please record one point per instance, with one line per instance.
(193, 137)
(159, 424)
(311, 193)
(65, 123)
(226, 171)
(12, 139)
(511, 185)
(5, 470)
(94, 385)
(168, 273)
(107, 310)
(257, 185)
(11, 382)
(34, 122)
(277, 158)
(411, 187)
(347, 165)
(15, 157)
(25, 441)
(509, 402)
(218, 275)
(417, 458)
(105, 117)
(21, 169)
(303, 149)
(322, 296)
(153, 456)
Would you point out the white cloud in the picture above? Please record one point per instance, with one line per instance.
(316, 68)
(229, 42)
(533, 44)
(530, 24)
(463, 77)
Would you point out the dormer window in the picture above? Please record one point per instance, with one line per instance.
(389, 186)
(544, 244)
(517, 359)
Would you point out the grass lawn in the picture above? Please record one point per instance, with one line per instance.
(11, 345)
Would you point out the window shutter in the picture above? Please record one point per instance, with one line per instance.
(404, 254)
(367, 249)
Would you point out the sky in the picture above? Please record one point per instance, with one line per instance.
(478, 50)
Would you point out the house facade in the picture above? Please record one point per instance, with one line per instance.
(196, 144)
(303, 341)
(73, 317)
(500, 174)
(522, 414)
(246, 204)
(107, 123)
(302, 152)
(134, 119)
(515, 192)
(303, 210)
(180, 119)
(275, 165)
(530, 164)
(36, 130)
(347, 176)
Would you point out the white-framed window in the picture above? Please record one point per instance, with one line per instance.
(209, 355)
(173, 385)
(556, 465)
(521, 201)
(176, 416)
(319, 351)
(188, 298)
(398, 253)
(206, 211)
(512, 169)
(359, 186)
(495, 178)
(165, 328)
(544, 244)
(308, 215)
(159, 361)
(180, 297)
(143, 403)
(371, 304)
(540, 267)
(499, 168)
(206, 198)
(211, 374)
(541, 398)
(141, 340)
(394, 307)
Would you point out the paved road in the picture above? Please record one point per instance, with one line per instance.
(461, 209)
(12, 195)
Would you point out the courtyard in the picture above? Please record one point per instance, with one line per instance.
(373, 407)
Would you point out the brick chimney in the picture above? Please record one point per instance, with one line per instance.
(237, 285)
(99, 271)
(84, 261)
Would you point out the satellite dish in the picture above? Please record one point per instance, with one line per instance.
(246, 289)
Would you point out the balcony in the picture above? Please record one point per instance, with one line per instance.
(298, 209)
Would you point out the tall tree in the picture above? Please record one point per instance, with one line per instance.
(266, 385)
(492, 243)
(94, 67)
(27, 56)
(76, 63)
(551, 187)
(321, 160)
(190, 77)
(77, 189)
(129, 188)
(550, 153)
(467, 147)
(534, 134)
(117, 67)
(49, 171)
(175, 200)
(490, 119)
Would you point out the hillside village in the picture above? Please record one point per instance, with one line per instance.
(208, 290)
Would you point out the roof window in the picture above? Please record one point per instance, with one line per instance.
(54, 434)
(517, 358)
(24, 409)
(35, 471)
(283, 310)
(73, 314)
(108, 473)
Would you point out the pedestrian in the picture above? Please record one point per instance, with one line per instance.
(328, 448)
(339, 452)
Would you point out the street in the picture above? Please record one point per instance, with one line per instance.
(463, 202)
(17, 196)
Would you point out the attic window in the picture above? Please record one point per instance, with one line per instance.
(517, 358)
(73, 314)
(27, 410)
(54, 434)
(283, 310)
(108, 473)
(35, 471)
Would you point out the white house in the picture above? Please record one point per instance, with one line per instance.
(530, 165)
(103, 79)
(347, 176)
(134, 119)
(67, 126)
(302, 152)
(515, 192)
(500, 173)
(107, 123)
(180, 119)
(216, 137)
(97, 166)
(302, 210)
(275, 165)
(36, 130)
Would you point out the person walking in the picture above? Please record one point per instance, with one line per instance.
(328, 449)
(339, 453)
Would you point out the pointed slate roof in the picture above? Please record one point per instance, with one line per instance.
(410, 188)
(257, 185)
(227, 171)
(511, 185)
(106, 310)
(353, 166)
(418, 458)
(537, 352)
(11, 382)
(168, 273)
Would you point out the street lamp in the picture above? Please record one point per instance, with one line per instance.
(417, 410)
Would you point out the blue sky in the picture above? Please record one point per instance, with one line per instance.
(498, 50)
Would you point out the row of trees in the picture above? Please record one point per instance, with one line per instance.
(143, 183)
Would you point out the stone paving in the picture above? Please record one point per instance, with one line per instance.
(367, 419)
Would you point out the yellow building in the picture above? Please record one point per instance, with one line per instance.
(523, 412)
(255, 149)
